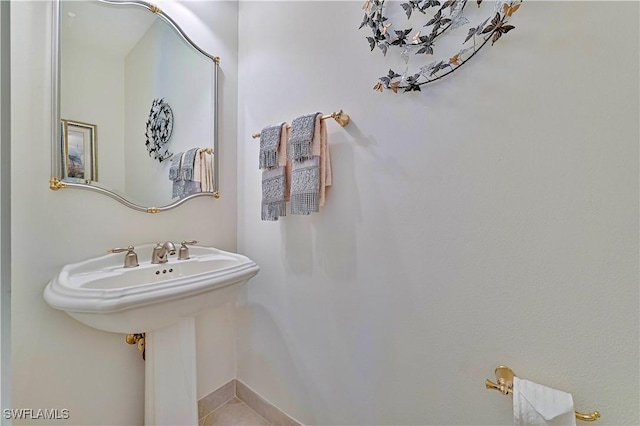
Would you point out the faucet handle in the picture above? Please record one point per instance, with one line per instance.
(130, 259)
(120, 250)
(183, 253)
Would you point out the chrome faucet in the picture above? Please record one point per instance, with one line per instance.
(161, 252)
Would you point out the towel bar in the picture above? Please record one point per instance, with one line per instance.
(341, 117)
(504, 377)
(207, 150)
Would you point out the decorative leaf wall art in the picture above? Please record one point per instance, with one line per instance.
(441, 18)
(159, 128)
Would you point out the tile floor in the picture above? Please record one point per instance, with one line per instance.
(233, 413)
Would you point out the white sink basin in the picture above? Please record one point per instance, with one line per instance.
(160, 300)
(102, 294)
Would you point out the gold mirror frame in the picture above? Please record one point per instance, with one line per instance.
(57, 180)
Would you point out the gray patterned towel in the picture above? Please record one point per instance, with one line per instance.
(273, 193)
(178, 189)
(191, 187)
(186, 169)
(269, 141)
(301, 138)
(178, 183)
(305, 185)
(174, 169)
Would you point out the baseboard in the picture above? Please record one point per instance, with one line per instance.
(251, 398)
(216, 399)
(263, 407)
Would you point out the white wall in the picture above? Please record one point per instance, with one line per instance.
(5, 211)
(58, 362)
(141, 170)
(163, 66)
(92, 87)
(491, 219)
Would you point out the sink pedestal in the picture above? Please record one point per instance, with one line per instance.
(161, 300)
(170, 375)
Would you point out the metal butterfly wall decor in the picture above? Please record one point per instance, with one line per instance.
(448, 17)
(159, 128)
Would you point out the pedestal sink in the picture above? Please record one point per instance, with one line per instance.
(160, 300)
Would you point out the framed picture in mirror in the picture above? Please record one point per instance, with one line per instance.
(79, 151)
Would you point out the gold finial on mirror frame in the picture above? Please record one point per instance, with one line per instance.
(154, 8)
(55, 184)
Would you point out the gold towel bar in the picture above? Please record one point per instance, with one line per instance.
(207, 150)
(504, 377)
(341, 117)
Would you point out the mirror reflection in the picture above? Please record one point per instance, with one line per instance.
(137, 103)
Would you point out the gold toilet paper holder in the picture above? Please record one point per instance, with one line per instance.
(504, 385)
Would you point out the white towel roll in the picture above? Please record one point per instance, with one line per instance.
(535, 404)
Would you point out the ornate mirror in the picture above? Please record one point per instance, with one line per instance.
(135, 105)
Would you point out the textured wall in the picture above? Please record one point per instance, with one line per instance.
(491, 219)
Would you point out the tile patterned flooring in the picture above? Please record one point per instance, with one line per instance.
(234, 413)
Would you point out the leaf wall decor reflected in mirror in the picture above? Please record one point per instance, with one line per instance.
(159, 129)
(113, 62)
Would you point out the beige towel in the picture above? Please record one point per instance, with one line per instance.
(206, 171)
(320, 148)
(209, 163)
(325, 163)
(203, 171)
(283, 161)
(197, 167)
(282, 147)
